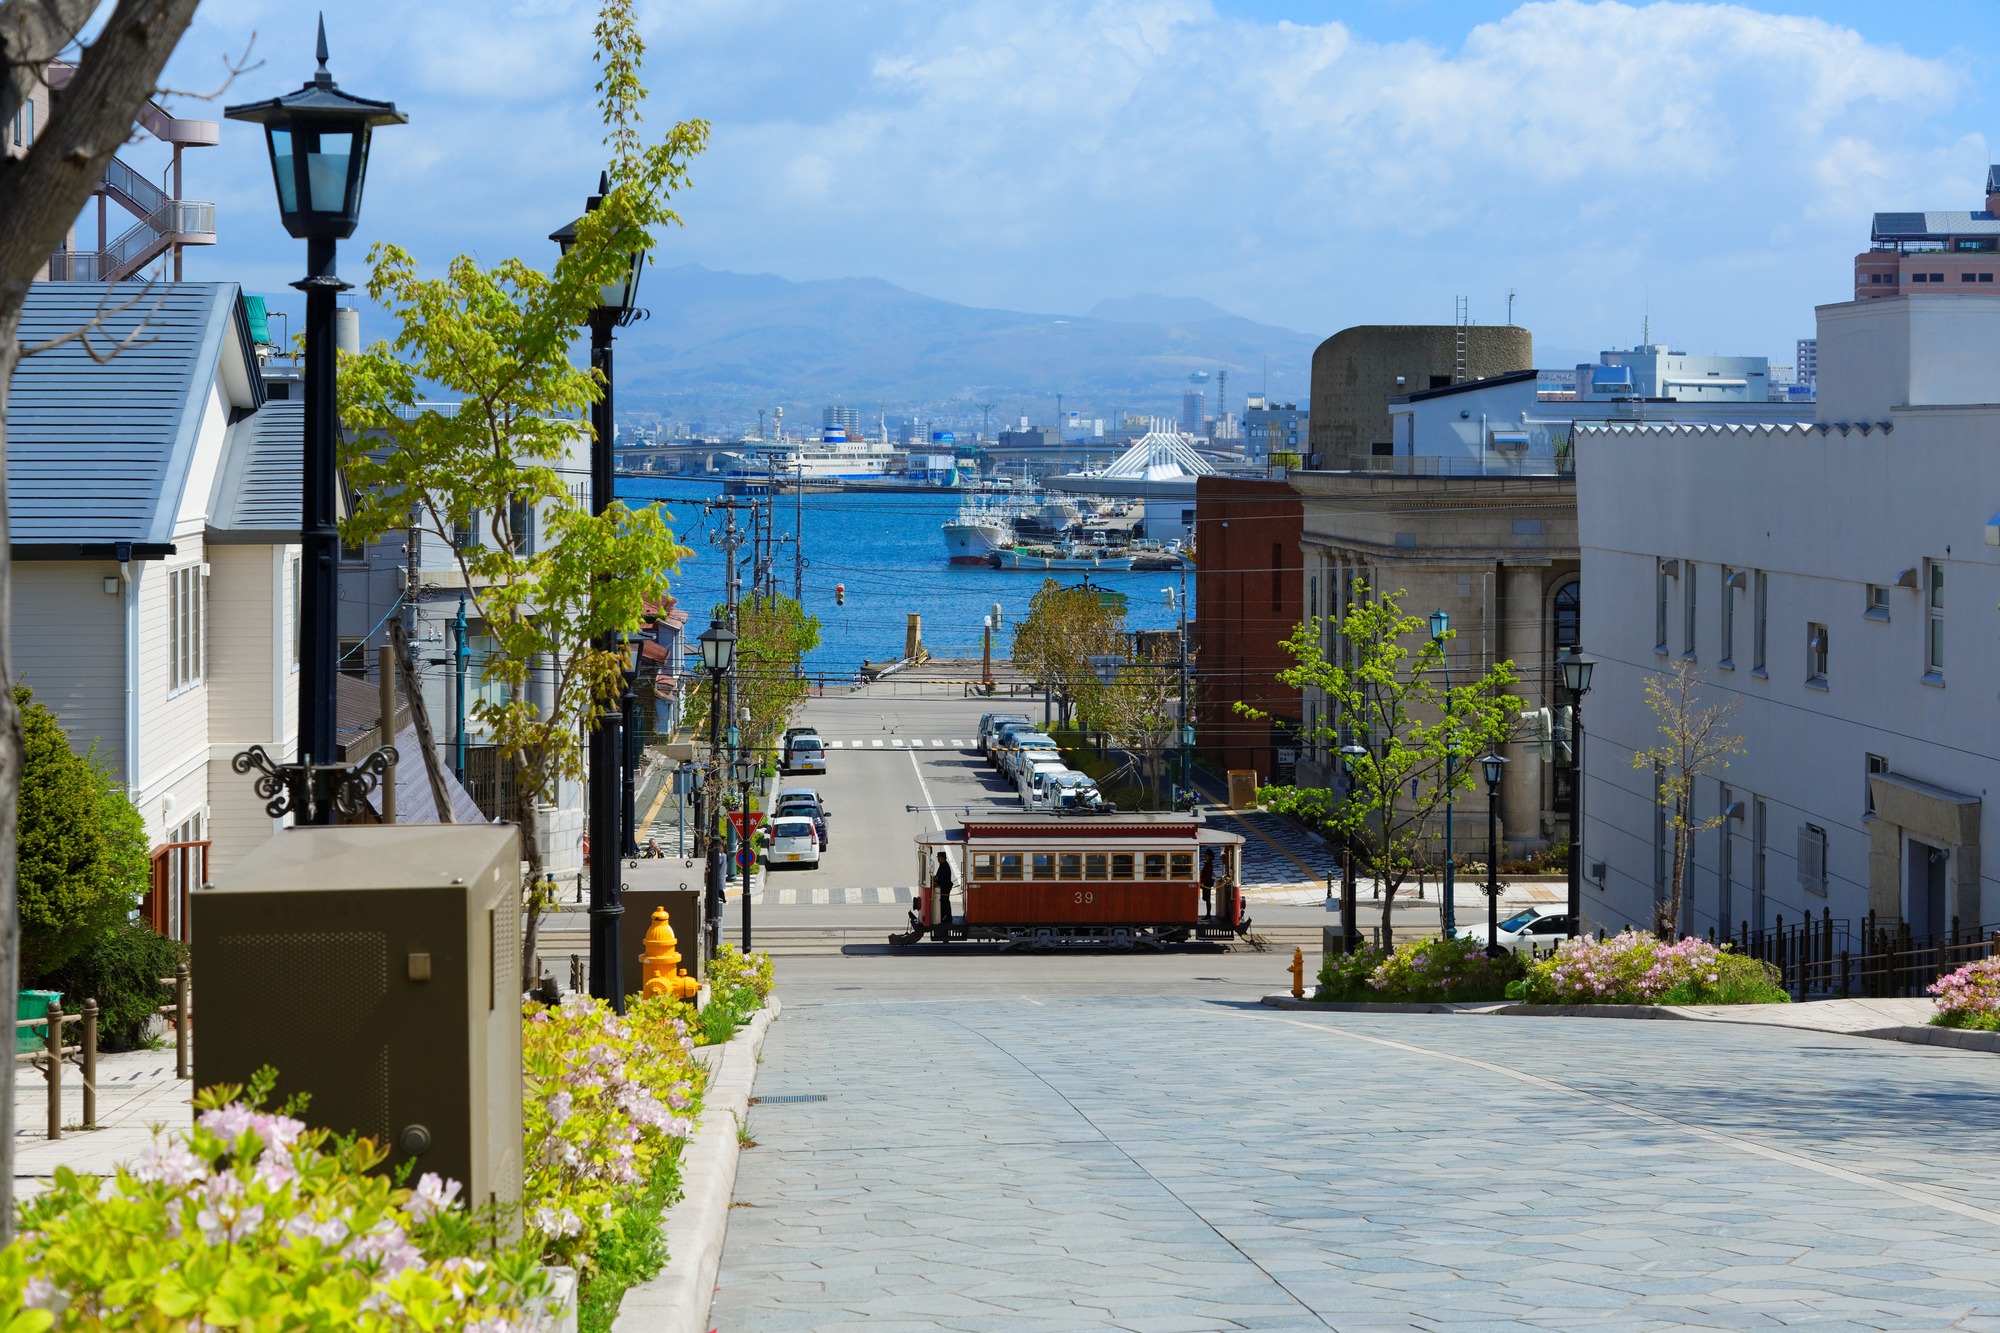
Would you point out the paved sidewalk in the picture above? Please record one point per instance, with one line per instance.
(1057, 1162)
(135, 1091)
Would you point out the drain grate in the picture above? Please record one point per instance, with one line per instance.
(802, 1097)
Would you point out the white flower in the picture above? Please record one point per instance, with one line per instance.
(168, 1163)
(433, 1194)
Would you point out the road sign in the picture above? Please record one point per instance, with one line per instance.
(736, 818)
(746, 858)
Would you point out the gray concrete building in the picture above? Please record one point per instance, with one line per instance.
(1357, 371)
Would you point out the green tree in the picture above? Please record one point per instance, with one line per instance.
(1053, 644)
(1140, 708)
(774, 634)
(82, 846)
(498, 340)
(1391, 701)
(1695, 742)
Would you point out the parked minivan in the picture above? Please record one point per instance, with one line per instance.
(1028, 782)
(1015, 745)
(805, 754)
(794, 842)
(990, 725)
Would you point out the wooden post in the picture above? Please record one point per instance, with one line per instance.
(90, 1064)
(181, 1034)
(54, 1071)
(385, 663)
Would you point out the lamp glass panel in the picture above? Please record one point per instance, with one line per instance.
(281, 167)
(326, 173)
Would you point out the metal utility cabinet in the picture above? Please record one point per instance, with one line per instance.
(377, 969)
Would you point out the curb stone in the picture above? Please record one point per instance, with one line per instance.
(677, 1299)
(1964, 1039)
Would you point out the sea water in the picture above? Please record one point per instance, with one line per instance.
(889, 554)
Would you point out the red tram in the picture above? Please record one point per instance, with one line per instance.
(1069, 881)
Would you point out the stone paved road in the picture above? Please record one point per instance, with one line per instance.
(1050, 1161)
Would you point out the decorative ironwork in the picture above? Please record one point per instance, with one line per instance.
(308, 790)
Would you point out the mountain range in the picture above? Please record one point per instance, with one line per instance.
(720, 345)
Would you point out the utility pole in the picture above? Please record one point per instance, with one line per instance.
(730, 539)
(799, 536)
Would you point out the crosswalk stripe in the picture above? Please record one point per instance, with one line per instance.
(821, 897)
(896, 743)
(877, 743)
(850, 895)
(919, 744)
(885, 895)
(786, 897)
(833, 745)
(957, 744)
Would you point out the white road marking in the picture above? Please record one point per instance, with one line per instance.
(833, 745)
(786, 897)
(821, 897)
(850, 895)
(916, 742)
(1035, 1002)
(896, 744)
(957, 744)
(876, 743)
(885, 895)
(925, 787)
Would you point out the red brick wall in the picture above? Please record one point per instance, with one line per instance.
(1249, 594)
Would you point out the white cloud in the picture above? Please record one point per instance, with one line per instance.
(1046, 153)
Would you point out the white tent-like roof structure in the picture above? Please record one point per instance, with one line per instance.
(1157, 456)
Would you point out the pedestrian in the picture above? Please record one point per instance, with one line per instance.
(941, 881)
(1207, 880)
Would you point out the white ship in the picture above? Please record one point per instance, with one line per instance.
(834, 457)
(978, 533)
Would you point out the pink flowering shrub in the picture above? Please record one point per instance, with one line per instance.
(1969, 997)
(1638, 968)
(609, 1101)
(250, 1220)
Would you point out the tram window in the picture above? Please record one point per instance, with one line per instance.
(1121, 865)
(1183, 865)
(1045, 865)
(982, 865)
(1072, 865)
(1156, 865)
(1010, 865)
(1093, 865)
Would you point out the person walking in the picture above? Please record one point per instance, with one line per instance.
(941, 881)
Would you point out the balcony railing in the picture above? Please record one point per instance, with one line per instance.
(1456, 465)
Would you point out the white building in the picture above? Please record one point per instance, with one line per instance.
(1271, 427)
(1836, 580)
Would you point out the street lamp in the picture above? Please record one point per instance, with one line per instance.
(1495, 766)
(746, 773)
(318, 140)
(1448, 915)
(609, 800)
(1576, 671)
(1351, 755)
(718, 655)
(634, 650)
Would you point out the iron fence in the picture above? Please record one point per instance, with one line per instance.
(1877, 958)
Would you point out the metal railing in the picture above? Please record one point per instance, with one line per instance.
(174, 218)
(1882, 958)
(54, 1052)
(1456, 465)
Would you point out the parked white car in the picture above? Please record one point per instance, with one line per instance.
(805, 754)
(1074, 791)
(1024, 749)
(794, 842)
(1536, 930)
(1032, 786)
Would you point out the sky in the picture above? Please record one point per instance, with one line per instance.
(1711, 168)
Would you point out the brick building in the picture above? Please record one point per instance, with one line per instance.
(1248, 594)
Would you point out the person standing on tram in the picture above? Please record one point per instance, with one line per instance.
(941, 882)
(1207, 880)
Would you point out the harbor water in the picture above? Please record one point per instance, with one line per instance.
(888, 551)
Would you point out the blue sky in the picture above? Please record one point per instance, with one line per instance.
(1309, 164)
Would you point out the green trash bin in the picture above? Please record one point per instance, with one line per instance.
(35, 1004)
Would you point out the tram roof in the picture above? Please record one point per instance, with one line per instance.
(1085, 828)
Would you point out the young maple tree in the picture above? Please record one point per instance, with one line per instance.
(1053, 644)
(498, 340)
(1388, 698)
(1695, 742)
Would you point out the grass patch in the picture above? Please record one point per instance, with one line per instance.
(632, 1250)
(1970, 1022)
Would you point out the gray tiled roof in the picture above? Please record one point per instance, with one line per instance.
(100, 452)
(257, 487)
(1935, 225)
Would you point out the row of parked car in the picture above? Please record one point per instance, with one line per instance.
(1032, 761)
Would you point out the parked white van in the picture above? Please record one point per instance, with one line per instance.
(1030, 782)
(1072, 791)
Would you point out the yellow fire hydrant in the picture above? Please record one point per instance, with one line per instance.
(1298, 971)
(660, 962)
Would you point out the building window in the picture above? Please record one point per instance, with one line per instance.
(1121, 865)
(1876, 765)
(1968, 277)
(1010, 865)
(1815, 654)
(521, 526)
(1688, 584)
(1660, 606)
(353, 658)
(1986, 277)
(1812, 859)
(1183, 865)
(1933, 618)
(1569, 616)
(1156, 865)
(23, 135)
(1043, 865)
(187, 607)
(1072, 865)
(1727, 645)
(1760, 638)
(1094, 866)
(1937, 277)
(1878, 602)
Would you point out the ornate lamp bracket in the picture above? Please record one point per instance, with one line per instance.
(309, 790)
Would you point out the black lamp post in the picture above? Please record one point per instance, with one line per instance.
(629, 717)
(1576, 669)
(608, 775)
(718, 655)
(746, 773)
(318, 142)
(1495, 766)
(1350, 929)
(1448, 914)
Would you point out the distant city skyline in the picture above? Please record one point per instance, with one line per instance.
(1712, 167)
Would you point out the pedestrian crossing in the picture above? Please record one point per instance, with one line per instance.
(899, 743)
(764, 896)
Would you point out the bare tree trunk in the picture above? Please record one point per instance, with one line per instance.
(527, 817)
(40, 195)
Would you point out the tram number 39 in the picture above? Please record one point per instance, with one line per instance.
(1085, 896)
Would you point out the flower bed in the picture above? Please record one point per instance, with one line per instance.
(252, 1220)
(1432, 970)
(1969, 997)
(1638, 968)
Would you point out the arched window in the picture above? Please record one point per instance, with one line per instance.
(1569, 615)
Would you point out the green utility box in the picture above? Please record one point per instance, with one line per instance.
(34, 1004)
(378, 969)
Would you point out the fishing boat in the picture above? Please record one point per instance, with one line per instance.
(1068, 555)
(977, 534)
